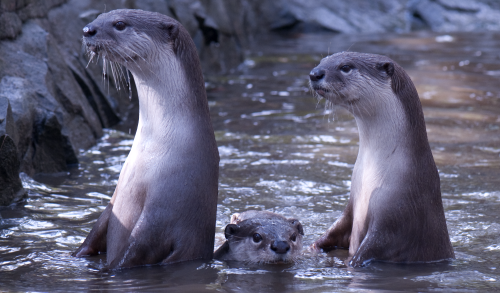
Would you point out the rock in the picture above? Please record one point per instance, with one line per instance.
(10, 25)
(11, 187)
(23, 102)
(460, 5)
(89, 15)
(431, 13)
(53, 152)
(9, 5)
(330, 20)
(47, 102)
(37, 8)
(7, 124)
(180, 10)
(456, 15)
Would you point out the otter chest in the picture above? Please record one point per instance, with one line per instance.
(367, 177)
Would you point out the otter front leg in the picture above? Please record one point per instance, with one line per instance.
(96, 240)
(338, 235)
(369, 249)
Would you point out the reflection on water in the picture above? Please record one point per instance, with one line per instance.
(282, 151)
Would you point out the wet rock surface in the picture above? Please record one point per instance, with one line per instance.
(10, 183)
(59, 105)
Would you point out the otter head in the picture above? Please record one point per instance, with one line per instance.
(366, 85)
(353, 80)
(265, 239)
(131, 37)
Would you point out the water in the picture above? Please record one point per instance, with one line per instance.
(281, 151)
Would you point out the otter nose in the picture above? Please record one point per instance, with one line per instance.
(280, 247)
(89, 31)
(317, 74)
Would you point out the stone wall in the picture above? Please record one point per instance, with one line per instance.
(52, 105)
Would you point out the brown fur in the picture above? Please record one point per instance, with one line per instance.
(395, 211)
(164, 206)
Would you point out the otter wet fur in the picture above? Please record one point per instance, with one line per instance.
(261, 237)
(395, 212)
(164, 206)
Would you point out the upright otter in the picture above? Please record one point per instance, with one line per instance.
(164, 206)
(395, 212)
(261, 237)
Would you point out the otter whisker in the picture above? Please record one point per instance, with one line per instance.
(147, 62)
(137, 54)
(119, 76)
(111, 65)
(104, 71)
(92, 54)
(136, 64)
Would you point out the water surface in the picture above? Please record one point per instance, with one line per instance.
(282, 151)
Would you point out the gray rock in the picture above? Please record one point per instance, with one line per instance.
(431, 12)
(460, 5)
(22, 101)
(9, 5)
(36, 8)
(89, 15)
(11, 187)
(47, 102)
(10, 25)
(7, 124)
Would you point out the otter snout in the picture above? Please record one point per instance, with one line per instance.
(317, 74)
(89, 31)
(280, 247)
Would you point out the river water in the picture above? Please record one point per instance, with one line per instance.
(282, 151)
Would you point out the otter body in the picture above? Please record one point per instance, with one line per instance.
(164, 206)
(261, 237)
(395, 212)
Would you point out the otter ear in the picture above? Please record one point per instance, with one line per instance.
(235, 218)
(231, 230)
(297, 225)
(387, 67)
(171, 28)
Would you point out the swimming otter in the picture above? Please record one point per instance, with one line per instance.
(261, 237)
(164, 206)
(395, 212)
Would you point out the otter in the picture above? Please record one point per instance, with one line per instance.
(395, 212)
(164, 206)
(261, 237)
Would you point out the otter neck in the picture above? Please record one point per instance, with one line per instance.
(384, 140)
(383, 126)
(166, 98)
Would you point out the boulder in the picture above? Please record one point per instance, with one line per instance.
(47, 102)
(10, 25)
(11, 187)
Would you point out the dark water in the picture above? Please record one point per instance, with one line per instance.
(281, 151)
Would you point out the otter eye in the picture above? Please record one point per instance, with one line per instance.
(120, 25)
(346, 69)
(293, 237)
(257, 238)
